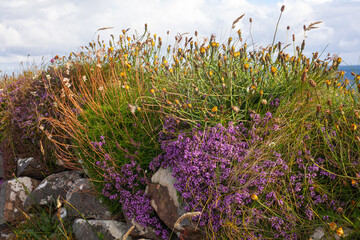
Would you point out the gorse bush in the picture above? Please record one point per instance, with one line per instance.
(262, 142)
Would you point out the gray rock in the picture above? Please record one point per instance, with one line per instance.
(52, 187)
(165, 201)
(5, 232)
(318, 234)
(13, 194)
(31, 167)
(140, 231)
(81, 198)
(35, 168)
(109, 229)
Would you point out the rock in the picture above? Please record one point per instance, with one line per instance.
(52, 187)
(81, 196)
(318, 234)
(31, 168)
(109, 229)
(164, 200)
(34, 168)
(13, 196)
(5, 232)
(141, 232)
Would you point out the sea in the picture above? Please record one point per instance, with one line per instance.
(348, 69)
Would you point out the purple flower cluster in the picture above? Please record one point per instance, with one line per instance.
(218, 169)
(126, 186)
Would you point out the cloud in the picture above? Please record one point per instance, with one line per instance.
(50, 27)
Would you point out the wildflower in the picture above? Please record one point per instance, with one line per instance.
(98, 65)
(340, 232)
(189, 105)
(263, 101)
(273, 70)
(353, 182)
(261, 92)
(338, 60)
(101, 88)
(246, 66)
(84, 78)
(42, 127)
(152, 91)
(254, 197)
(202, 50)
(353, 127)
(210, 73)
(48, 77)
(122, 74)
(272, 144)
(177, 102)
(214, 109)
(333, 226)
(171, 70)
(236, 54)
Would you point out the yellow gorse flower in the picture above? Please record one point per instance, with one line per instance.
(214, 109)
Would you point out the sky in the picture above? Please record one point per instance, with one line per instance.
(34, 31)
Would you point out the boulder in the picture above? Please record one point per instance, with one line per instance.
(92, 229)
(164, 200)
(52, 187)
(34, 168)
(5, 232)
(141, 232)
(81, 201)
(13, 194)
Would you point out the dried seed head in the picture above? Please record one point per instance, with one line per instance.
(318, 108)
(282, 8)
(303, 77)
(235, 109)
(312, 83)
(329, 102)
(263, 101)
